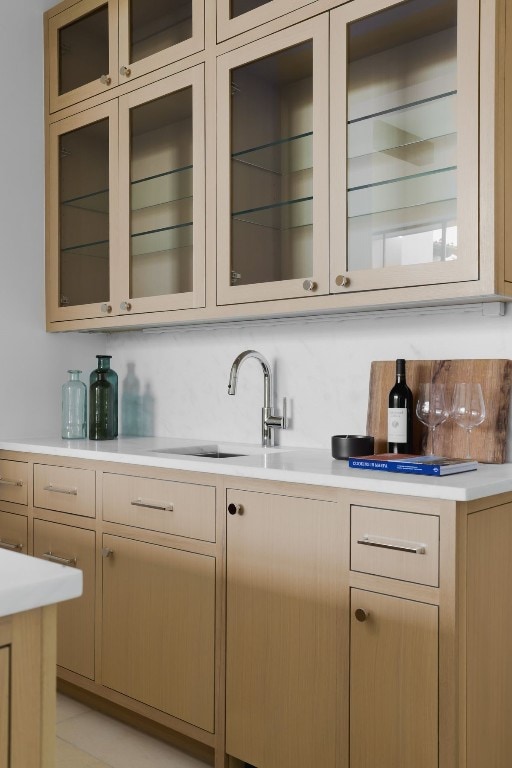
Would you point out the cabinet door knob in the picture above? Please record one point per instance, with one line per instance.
(309, 285)
(106, 308)
(125, 306)
(234, 509)
(107, 552)
(105, 79)
(342, 281)
(361, 614)
(126, 71)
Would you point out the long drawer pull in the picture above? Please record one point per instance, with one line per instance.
(60, 489)
(373, 541)
(60, 560)
(11, 545)
(152, 505)
(6, 481)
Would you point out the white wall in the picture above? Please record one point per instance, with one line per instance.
(34, 363)
(322, 367)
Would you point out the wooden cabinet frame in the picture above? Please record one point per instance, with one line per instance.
(229, 27)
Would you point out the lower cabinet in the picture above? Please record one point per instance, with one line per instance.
(284, 572)
(5, 705)
(158, 627)
(13, 532)
(393, 682)
(74, 546)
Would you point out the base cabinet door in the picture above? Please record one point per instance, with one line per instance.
(393, 682)
(75, 618)
(283, 592)
(13, 532)
(5, 667)
(158, 627)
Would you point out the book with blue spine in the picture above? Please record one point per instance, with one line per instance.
(413, 465)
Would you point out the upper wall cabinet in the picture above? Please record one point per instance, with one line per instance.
(126, 212)
(272, 140)
(404, 171)
(236, 16)
(94, 45)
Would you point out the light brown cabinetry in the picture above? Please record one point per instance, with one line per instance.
(236, 16)
(5, 654)
(13, 531)
(161, 601)
(95, 45)
(72, 546)
(284, 606)
(126, 203)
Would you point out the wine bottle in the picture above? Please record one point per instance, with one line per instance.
(400, 413)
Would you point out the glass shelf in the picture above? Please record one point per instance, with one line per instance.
(402, 107)
(165, 239)
(408, 192)
(284, 156)
(96, 250)
(96, 202)
(166, 187)
(283, 215)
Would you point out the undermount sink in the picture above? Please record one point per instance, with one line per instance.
(206, 452)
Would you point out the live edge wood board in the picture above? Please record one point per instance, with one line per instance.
(488, 441)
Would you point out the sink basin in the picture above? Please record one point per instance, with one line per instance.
(204, 452)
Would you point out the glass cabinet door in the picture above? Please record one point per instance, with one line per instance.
(272, 167)
(82, 47)
(82, 185)
(404, 171)
(236, 16)
(153, 33)
(162, 208)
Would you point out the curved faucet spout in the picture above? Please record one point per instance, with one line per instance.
(269, 421)
(267, 375)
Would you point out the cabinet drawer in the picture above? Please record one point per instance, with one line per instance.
(13, 481)
(182, 509)
(399, 545)
(65, 489)
(13, 532)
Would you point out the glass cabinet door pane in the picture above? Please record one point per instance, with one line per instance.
(272, 168)
(402, 136)
(158, 24)
(83, 50)
(238, 7)
(84, 215)
(161, 196)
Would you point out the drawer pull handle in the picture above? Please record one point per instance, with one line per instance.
(152, 505)
(58, 489)
(11, 545)
(5, 481)
(414, 549)
(60, 560)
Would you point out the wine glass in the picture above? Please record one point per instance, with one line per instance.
(432, 409)
(468, 409)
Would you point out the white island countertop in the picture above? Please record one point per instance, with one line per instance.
(28, 582)
(293, 465)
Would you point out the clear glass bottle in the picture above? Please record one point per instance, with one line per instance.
(74, 407)
(101, 408)
(111, 377)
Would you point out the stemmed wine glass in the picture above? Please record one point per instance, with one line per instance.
(468, 409)
(432, 409)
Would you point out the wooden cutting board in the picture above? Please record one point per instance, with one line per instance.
(488, 441)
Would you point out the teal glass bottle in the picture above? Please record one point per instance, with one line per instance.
(101, 409)
(111, 377)
(74, 407)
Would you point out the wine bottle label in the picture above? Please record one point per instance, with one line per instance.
(397, 425)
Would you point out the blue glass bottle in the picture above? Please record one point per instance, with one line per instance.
(74, 407)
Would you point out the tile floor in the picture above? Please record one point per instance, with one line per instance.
(89, 739)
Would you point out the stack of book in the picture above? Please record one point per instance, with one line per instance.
(413, 465)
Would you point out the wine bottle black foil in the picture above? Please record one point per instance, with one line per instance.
(400, 413)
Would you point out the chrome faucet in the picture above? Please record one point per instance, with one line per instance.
(269, 421)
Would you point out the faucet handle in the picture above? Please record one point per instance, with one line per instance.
(277, 422)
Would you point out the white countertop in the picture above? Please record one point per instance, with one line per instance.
(28, 582)
(292, 465)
